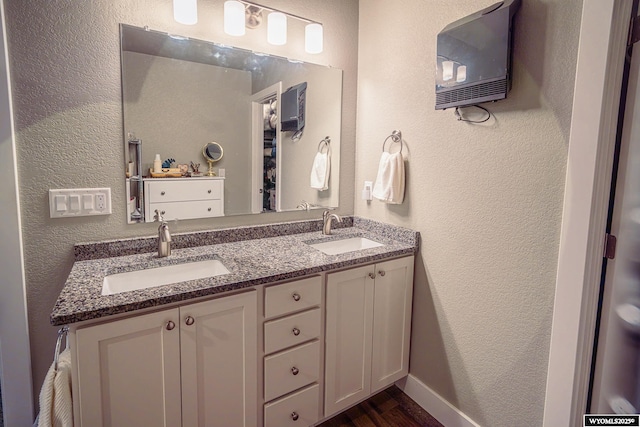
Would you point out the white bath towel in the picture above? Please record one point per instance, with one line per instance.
(56, 407)
(320, 171)
(389, 186)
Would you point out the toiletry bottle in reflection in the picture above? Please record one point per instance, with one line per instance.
(157, 164)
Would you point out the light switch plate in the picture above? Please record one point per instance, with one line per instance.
(73, 202)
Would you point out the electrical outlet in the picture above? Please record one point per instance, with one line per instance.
(101, 202)
(74, 202)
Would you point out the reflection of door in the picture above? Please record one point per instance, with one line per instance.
(266, 157)
(616, 378)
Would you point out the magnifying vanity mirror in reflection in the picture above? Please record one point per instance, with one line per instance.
(269, 114)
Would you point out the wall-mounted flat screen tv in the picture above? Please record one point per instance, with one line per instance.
(474, 57)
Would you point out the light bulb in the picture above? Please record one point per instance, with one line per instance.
(277, 28)
(234, 18)
(313, 42)
(185, 11)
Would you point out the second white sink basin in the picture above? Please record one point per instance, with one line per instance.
(152, 277)
(336, 247)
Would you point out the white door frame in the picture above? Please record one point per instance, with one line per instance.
(257, 144)
(603, 37)
(15, 356)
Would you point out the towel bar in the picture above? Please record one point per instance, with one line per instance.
(396, 136)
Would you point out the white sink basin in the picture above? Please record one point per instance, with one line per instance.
(151, 277)
(336, 247)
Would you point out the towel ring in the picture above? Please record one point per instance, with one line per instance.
(396, 136)
(62, 333)
(326, 141)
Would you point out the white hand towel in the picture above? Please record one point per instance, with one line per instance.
(389, 186)
(56, 407)
(320, 170)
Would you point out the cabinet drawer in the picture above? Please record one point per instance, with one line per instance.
(186, 210)
(293, 296)
(291, 330)
(287, 371)
(184, 190)
(298, 409)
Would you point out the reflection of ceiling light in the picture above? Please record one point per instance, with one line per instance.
(461, 73)
(185, 11)
(234, 18)
(313, 38)
(277, 28)
(447, 70)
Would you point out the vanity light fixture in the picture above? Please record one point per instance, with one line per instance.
(277, 28)
(313, 37)
(234, 18)
(185, 11)
(239, 14)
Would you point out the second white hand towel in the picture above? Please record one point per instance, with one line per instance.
(389, 186)
(320, 170)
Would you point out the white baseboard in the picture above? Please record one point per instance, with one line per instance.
(433, 403)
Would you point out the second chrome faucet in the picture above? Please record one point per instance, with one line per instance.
(164, 236)
(327, 216)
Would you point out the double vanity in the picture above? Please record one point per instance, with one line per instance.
(271, 326)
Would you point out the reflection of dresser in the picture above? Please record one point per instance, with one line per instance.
(184, 198)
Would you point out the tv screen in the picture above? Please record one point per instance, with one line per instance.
(473, 63)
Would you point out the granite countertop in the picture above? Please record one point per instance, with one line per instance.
(253, 256)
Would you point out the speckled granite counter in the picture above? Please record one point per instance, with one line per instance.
(253, 256)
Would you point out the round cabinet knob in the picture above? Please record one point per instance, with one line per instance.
(170, 325)
(189, 320)
(208, 209)
(296, 297)
(296, 331)
(295, 371)
(209, 191)
(162, 193)
(295, 416)
(372, 275)
(163, 212)
(382, 273)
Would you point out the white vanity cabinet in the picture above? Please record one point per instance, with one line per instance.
(195, 365)
(184, 198)
(368, 325)
(292, 348)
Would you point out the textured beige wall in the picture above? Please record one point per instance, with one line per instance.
(65, 71)
(486, 199)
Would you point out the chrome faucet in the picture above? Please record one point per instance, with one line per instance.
(164, 236)
(327, 216)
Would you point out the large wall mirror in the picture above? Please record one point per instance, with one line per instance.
(277, 120)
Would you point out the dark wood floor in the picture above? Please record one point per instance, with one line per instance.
(389, 408)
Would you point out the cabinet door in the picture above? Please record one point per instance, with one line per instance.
(391, 322)
(348, 337)
(129, 372)
(219, 362)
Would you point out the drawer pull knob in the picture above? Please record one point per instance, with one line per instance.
(295, 371)
(372, 275)
(382, 273)
(295, 416)
(162, 193)
(170, 325)
(163, 212)
(296, 297)
(209, 209)
(209, 191)
(296, 331)
(189, 320)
